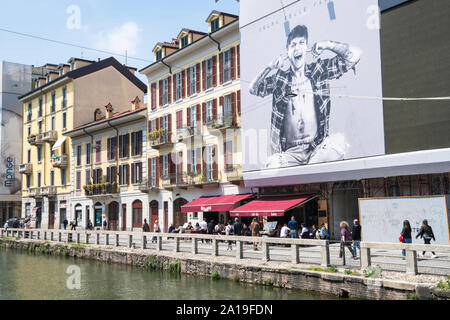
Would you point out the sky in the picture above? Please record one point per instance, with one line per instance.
(134, 26)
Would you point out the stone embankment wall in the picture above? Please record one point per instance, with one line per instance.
(331, 283)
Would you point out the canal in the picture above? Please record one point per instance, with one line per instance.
(37, 277)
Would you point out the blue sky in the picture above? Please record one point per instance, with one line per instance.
(136, 25)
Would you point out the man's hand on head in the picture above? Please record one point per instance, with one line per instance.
(279, 62)
(319, 47)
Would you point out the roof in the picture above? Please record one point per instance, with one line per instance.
(191, 31)
(221, 13)
(166, 44)
(94, 67)
(115, 116)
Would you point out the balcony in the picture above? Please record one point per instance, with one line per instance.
(60, 161)
(34, 192)
(234, 174)
(50, 136)
(224, 122)
(178, 180)
(26, 168)
(101, 189)
(48, 192)
(35, 139)
(147, 185)
(209, 177)
(188, 132)
(159, 139)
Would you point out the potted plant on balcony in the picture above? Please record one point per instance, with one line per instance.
(31, 138)
(114, 187)
(202, 177)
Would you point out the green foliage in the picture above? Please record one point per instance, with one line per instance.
(151, 263)
(332, 269)
(444, 284)
(215, 275)
(352, 272)
(411, 296)
(175, 267)
(373, 272)
(316, 269)
(268, 282)
(236, 278)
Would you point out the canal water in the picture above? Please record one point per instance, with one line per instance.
(38, 277)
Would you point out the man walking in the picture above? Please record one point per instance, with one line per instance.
(237, 227)
(203, 227)
(293, 226)
(356, 236)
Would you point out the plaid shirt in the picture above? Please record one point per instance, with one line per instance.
(279, 82)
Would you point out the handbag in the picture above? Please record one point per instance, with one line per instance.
(400, 238)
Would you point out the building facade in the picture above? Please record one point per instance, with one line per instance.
(67, 96)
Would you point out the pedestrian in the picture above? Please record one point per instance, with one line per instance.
(346, 240)
(89, 225)
(315, 233)
(237, 227)
(246, 231)
(293, 226)
(203, 228)
(197, 227)
(73, 225)
(406, 235)
(305, 231)
(6, 225)
(229, 231)
(171, 228)
(156, 229)
(356, 237)
(255, 232)
(65, 223)
(426, 232)
(146, 226)
(284, 233)
(105, 223)
(324, 235)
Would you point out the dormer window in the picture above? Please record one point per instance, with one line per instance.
(159, 55)
(215, 24)
(184, 41)
(72, 66)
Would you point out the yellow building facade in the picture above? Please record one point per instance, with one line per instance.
(62, 99)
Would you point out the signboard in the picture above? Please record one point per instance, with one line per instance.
(310, 71)
(382, 218)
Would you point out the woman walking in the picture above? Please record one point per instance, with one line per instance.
(346, 239)
(255, 232)
(406, 233)
(426, 232)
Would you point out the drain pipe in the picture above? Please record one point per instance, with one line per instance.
(92, 146)
(218, 43)
(170, 68)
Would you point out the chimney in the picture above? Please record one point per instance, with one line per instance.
(136, 104)
(109, 111)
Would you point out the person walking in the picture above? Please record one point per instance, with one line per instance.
(356, 237)
(6, 225)
(346, 240)
(255, 232)
(293, 226)
(324, 235)
(105, 223)
(426, 232)
(237, 227)
(406, 235)
(157, 229)
(73, 225)
(89, 225)
(229, 232)
(145, 226)
(203, 228)
(65, 223)
(246, 231)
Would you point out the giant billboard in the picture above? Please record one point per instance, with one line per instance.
(311, 82)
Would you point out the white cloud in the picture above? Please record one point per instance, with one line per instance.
(124, 38)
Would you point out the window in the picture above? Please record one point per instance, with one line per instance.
(124, 146)
(209, 163)
(112, 149)
(209, 74)
(209, 111)
(52, 178)
(228, 155)
(64, 121)
(97, 178)
(178, 86)
(136, 143)
(40, 108)
(165, 91)
(111, 174)
(29, 156)
(29, 131)
(30, 112)
(40, 126)
(53, 123)
(136, 174)
(98, 151)
(226, 106)
(88, 153)
(64, 151)
(64, 94)
(72, 66)
(39, 150)
(28, 181)
(193, 111)
(78, 156)
(436, 185)
(124, 174)
(393, 187)
(193, 160)
(192, 80)
(53, 102)
(78, 181)
(215, 24)
(39, 179)
(153, 172)
(87, 176)
(63, 177)
(184, 41)
(165, 166)
(158, 55)
(227, 66)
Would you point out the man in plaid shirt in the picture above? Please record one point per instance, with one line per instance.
(301, 101)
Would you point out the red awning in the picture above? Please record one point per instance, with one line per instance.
(214, 204)
(270, 206)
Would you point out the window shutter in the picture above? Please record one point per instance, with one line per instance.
(139, 138)
(188, 81)
(114, 174)
(174, 88)
(204, 75)
(215, 163)
(189, 167)
(188, 113)
(140, 173)
(115, 148)
(239, 102)
(221, 68)
(233, 63)
(159, 169)
(199, 114)
(204, 112)
(169, 90)
(170, 127)
(198, 158)
(153, 96)
(238, 61)
(203, 155)
(109, 149)
(127, 145)
(149, 170)
(120, 175)
(183, 84)
(214, 109)
(214, 71)
(128, 173)
(179, 119)
(133, 142)
(160, 93)
(100, 175)
(133, 178)
(197, 77)
(233, 107)
(108, 174)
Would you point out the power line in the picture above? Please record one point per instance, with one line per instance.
(73, 45)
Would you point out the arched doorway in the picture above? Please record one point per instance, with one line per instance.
(137, 214)
(113, 211)
(154, 213)
(98, 212)
(179, 218)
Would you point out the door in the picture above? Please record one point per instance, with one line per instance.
(137, 214)
(124, 217)
(51, 215)
(179, 218)
(166, 216)
(154, 207)
(113, 210)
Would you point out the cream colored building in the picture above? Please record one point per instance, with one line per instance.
(64, 97)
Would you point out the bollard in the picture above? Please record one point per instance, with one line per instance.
(239, 249)
(69, 237)
(158, 243)
(365, 258)
(87, 237)
(194, 245)
(78, 238)
(38, 235)
(51, 235)
(294, 252)
(130, 240)
(117, 240)
(144, 242)
(411, 262)
(107, 239)
(97, 240)
(45, 235)
(2, 230)
(177, 244)
(31, 235)
(215, 247)
(265, 251)
(59, 236)
(325, 253)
